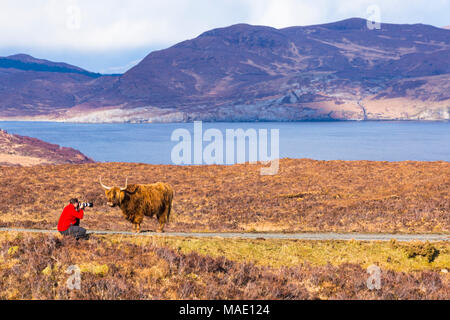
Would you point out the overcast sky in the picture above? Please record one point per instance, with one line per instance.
(110, 36)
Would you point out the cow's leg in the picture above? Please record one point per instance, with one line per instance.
(136, 227)
(137, 224)
(164, 218)
(162, 221)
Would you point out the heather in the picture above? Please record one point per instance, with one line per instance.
(305, 196)
(34, 267)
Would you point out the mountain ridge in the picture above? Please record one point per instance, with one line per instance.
(26, 62)
(335, 71)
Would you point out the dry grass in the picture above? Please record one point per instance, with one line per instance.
(306, 195)
(34, 266)
(393, 255)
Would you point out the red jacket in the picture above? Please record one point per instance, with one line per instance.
(69, 216)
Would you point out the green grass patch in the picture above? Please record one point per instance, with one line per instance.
(393, 255)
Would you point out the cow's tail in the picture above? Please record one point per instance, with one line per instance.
(168, 212)
(170, 206)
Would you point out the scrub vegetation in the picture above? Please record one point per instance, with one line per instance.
(33, 266)
(305, 196)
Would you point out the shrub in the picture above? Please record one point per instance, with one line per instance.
(426, 250)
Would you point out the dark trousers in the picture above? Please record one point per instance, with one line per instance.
(76, 231)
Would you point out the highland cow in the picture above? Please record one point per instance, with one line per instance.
(139, 200)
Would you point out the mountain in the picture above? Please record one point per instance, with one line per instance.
(31, 87)
(18, 150)
(29, 63)
(334, 71)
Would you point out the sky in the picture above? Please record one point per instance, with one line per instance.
(111, 36)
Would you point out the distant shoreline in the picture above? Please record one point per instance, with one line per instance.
(205, 121)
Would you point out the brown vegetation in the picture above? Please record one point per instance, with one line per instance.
(34, 267)
(16, 150)
(306, 195)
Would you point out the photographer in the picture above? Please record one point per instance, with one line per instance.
(69, 222)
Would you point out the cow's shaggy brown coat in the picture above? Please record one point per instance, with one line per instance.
(139, 200)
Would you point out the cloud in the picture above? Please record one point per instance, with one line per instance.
(101, 25)
(110, 24)
(285, 13)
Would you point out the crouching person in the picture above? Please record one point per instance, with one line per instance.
(69, 222)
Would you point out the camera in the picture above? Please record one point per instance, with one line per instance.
(86, 204)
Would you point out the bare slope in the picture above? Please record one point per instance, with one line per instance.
(18, 150)
(335, 71)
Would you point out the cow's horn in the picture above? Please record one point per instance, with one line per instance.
(103, 186)
(126, 185)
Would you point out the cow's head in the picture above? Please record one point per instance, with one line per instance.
(114, 195)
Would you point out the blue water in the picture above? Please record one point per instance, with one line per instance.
(151, 143)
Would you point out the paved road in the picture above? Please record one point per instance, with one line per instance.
(286, 236)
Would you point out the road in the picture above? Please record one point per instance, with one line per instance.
(254, 235)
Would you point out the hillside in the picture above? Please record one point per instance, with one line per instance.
(31, 87)
(334, 71)
(305, 196)
(18, 150)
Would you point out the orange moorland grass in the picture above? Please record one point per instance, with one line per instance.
(33, 266)
(305, 196)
